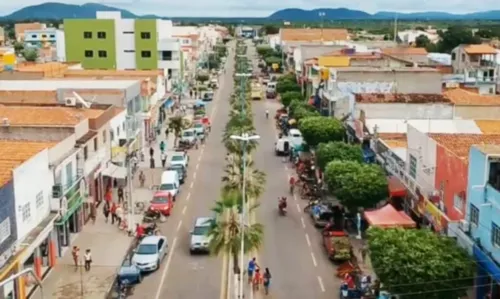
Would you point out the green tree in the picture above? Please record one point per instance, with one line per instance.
(303, 112)
(202, 77)
(225, 231)
(284, 86)
(289, 96)
(420, 264)
(337, 151)
(18, 48)
(355, 184)
(30, 55)
(177, 124)
(319, 129)
(265, 51)
(455, 36)
(270, 29)
(422, 41)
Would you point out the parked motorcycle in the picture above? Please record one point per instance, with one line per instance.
(150, 229)
(151, 216)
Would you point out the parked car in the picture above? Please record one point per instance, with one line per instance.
(208, 96)
(162, 202)
(199, 235)
(179, 158)
(129, 274)
(199, 127)
(181, 170)
(150, 252)
(188, 136)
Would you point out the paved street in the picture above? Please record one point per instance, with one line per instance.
(292, 246)
(182, 275)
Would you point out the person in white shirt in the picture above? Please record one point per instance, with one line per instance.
(87, 259)
(163, 158)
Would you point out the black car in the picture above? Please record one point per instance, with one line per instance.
(181, 170)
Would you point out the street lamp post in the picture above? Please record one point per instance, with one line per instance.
(322, 15)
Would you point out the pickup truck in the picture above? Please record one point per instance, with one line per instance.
(337, 245)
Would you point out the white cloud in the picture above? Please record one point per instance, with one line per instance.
(261, 8)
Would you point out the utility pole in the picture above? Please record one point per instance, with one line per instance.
(128, 161)
(396, 28)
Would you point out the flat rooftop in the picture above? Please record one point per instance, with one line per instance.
(50, 85)
(47, 116)
(449, 126)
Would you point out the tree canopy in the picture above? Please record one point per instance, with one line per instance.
(454, 36)
(419, 264)
(356, 184)
(289, 96)
(337, 151)
(319, 129)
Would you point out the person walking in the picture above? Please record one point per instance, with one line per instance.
(162, 146)
(166, 132)
(163, 158)
(88, 259)
(75, 253)
(113, 213)
(119, 214)
(120, 194)
(152, 162)
(142, 178)
(252, 265)
(267, 280)
(151, 151)
(106, 211)
(93, 212)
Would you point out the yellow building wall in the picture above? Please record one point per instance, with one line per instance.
(336, 61)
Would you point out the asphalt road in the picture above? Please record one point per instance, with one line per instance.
(292, 246)
(182, 275)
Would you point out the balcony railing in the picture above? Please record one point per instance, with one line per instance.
(94, 159)
(67, 189)
(487, 63)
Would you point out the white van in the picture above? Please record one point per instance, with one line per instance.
(170, 182)
(271, 87)
(295, 137)
(282, 147)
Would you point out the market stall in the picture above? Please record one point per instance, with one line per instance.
(389, 217)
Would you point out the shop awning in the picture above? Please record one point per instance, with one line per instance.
(115, 171)
(396, 187)
(388, 217)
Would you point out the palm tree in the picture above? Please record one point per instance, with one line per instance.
(225, 232)
(177, 124)
(255, 180)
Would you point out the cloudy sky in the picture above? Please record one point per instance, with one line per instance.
(257, 8)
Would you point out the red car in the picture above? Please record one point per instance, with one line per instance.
(162, 202)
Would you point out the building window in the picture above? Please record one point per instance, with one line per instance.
(52, 36)
(4, 229)
(104, 136)
(413, 167)
(85, 153)
(463, 57)
(129, 51)
(495, 235)
(145, 35)
(87, 34)
(26, 212)
(39, 200)
(146, 54)
(101, 34)
(102, 54)
(453, 56)
(474, 215)
(89, 53)
(166, 55)
(111, 135)
(458, 203)
(33, 36)
(95, 144)
(118, 132)
(69, 175)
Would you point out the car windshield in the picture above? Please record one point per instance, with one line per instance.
(187, 134)
(167, 187)
(146, 249)
(176, 167)
(198, 125)
(177, 158)
(296, 135)
(201, 230)
(160, 200)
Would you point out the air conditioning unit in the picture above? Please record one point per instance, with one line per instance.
(464, 226)
(70, 101)
(57, 191)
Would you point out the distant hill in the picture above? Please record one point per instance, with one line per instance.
(53, 10)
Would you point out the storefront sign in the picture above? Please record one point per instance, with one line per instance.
(435, 216)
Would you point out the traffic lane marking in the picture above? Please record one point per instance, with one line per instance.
(307, 240)
(314, 259)
(302, 221)
(165, 269)
(179, 225)
(321, 285)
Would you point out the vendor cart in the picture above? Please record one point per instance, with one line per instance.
(337, 246)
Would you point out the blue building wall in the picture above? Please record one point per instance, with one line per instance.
(8, 209)
(486, 200)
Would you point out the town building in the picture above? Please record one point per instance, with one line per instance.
(475, 66)
(409, 37)
(3, 38)
(110, 42)
(20, 29)
(48, 38)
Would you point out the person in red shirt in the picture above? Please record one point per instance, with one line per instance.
(139, 231)
(292, 184)
(113, 213)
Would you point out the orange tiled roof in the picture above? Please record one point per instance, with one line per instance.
(19, 28)
(313, 34)
(404, 51)
(464, 97)
(410, 98)
(479, 49)
(489, 126)
(6, 168)
(393, 140)
(355, 55)
(28, 97)
(46, 116)
(459, 144)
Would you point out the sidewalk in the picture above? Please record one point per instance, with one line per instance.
(108, 244)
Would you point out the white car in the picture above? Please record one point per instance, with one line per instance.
(150, 252)
(179, 158)
(188, 136)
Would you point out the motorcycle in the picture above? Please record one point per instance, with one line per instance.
(282, 207)
(151, 216)
(150, 229)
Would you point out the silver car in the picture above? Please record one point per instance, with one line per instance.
(150, 252)
(199, 235)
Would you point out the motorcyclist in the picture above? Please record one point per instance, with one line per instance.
(282, 203)
(139, 231)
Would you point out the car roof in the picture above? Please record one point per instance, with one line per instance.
(203, 221)
(178, 154)
(166, 175)
(150, 240)
(294, 131)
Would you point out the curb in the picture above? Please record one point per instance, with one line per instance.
(111, 292)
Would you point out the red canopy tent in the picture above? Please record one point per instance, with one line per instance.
(388, 217)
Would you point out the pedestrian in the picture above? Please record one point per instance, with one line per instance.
(120, 194)
(267, 280)
(162, 146)
(252, 265)
(257, 279)
(119, 214)
(109, 196)
(151, 151)
(166, 133)
(363, 251)
(113, 213)
(75, 253)
(191, 93)
(152, 162)
(142, 178)
(88, 259)
(105, 211)
(163, 159)
(93, 212)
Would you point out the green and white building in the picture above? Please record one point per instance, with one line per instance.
(110, 42)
